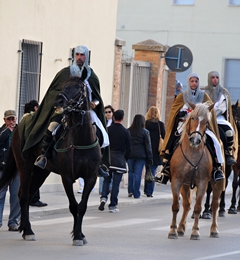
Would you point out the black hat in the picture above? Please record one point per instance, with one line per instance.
(118, 114)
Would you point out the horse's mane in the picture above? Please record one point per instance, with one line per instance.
(201, 109)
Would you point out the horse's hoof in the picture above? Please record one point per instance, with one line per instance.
(195, 237)
(221, 213)
(172, 236)
(214, 234)
(85, 241)
(206, 215)
(180, 233)
(232, 210)
(192, 216)
(29, 237)
(78, 242)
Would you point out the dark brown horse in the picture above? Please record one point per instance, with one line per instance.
(191, 166)
(76, 154)
(236, 167)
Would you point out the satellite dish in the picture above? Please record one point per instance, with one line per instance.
(179, 58)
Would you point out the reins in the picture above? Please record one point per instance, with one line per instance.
(195, 166)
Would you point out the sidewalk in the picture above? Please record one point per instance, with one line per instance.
(58, 202)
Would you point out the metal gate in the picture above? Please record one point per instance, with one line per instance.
(134, 89)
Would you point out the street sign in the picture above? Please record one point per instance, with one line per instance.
(179, 58)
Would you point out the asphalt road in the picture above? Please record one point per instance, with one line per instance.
(138, 232)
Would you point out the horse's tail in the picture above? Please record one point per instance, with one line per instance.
(9, 169)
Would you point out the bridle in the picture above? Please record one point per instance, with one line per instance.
(195, 166)
(74, 105)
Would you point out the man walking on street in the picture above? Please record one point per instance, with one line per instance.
(6, 132)
(120, 149)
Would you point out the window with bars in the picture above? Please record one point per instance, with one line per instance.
(30, 73)
(183, 2)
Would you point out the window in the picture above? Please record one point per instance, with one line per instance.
(234, 2)
(30, 73)
(232, 78)
(183, 2)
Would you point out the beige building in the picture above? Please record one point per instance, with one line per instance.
(37, 37)
(210, 29)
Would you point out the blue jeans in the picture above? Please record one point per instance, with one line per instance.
(149, 186)
(115, 178)
(135, 167)
(15, 209)
(101, 179)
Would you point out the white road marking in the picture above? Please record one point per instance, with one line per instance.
(189, 225)
(121, 223)
(232, 231)
(56, 221)
(218, 255)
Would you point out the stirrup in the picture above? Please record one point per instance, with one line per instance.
(41, 161)
(163, 179)
(218, 175)
(103, 171)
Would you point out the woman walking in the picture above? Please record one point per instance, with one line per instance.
(156, 129)
(141, 154)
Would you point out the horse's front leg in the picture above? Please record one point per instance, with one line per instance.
(215, 204)
(201, 189)
(207, 213)
(25, 225)
(82, 207)
(232, 209)
(73, 208)
(186, 202)
(175, 208)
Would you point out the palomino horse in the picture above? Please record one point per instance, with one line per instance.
(236, 167)
(76, 154)
(191, 166)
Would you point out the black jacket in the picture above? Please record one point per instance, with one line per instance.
(141, 147)
(5, 140)
(153, 129)
(120, 145)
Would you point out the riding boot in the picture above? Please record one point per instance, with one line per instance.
(228, 149)
(41, 161)
(103, 169)
(164, 176)
(217, 173)
(229, 158)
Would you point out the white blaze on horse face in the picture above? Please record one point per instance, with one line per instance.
(200, 118)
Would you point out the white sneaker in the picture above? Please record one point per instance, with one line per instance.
(80, 191)
(113, 210)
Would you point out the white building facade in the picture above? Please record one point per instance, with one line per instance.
(210, 29)
(37, 37)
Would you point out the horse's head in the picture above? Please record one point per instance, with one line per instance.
(197, 123)
(236, 114)
(74, 97)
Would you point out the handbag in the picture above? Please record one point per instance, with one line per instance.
(148, 175)
(160, 144)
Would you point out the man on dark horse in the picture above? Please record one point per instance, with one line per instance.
(47, 117)
(223, 108)
(178, 114)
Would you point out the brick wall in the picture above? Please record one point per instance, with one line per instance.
(117, 73)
